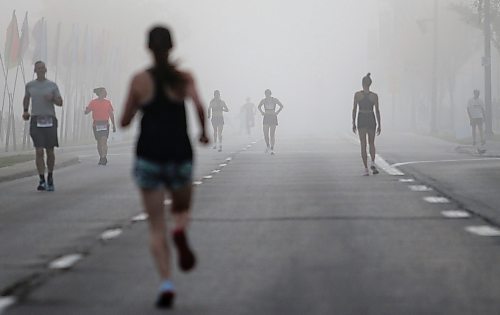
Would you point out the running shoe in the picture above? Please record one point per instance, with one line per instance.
(267, 150)
(366, 172)
(165, 299)
(214, 147)
(50, 186)
(104, 160)
(220, 149)
(42, 186)
(186, 256)
(374, 170)
(272, 152)
(100, 161)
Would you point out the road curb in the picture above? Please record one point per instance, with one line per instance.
(29, 169)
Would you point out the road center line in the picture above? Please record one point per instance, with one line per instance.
(483, 230)
(6, 302)
(443, 161)
(65, 262)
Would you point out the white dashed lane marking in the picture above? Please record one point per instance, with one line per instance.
(455, 214)
(5, 302)
(406, 180)
(65, 262)
(215, 171)
(196, 183)
(229, 159)
(432, 199)
(111, 234)
(483, 230)
(140, 217)
(419, 188)
(223, 165)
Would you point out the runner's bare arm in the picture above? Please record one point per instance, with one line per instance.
(377, 113)
(192, 93)
(58, 101)
(224, 107)
(354, 112)
(280, 105)
(260, 107)
(132, 103)
(26, 105)
(87, 109)
(112, 117)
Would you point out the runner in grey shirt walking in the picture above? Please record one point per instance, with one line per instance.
(44, 94)
(475, 109)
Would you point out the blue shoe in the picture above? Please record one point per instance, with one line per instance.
(50, 186)
(42, 186)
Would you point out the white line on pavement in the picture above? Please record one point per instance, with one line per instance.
(110, 234)
(223, 164)
(419, 188)
(406, 180)
(483, 230)
(196, 183)
(391, 170)
(229, 159)
(443, 161)
(65, 262)
(215, 171)
(208, 177)
(140, 217)
(432, 199)
(5, 302)
(455, 214)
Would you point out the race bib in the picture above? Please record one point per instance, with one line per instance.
(44, 121)
(101, 127)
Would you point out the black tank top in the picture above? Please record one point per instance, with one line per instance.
(163, 136)
(366, 104)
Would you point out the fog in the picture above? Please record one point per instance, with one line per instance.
(312, 55)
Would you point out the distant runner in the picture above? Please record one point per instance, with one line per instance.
(247, 113)
(164, 156)
(270, 120)
(366, 101)
(216, 111)
(102, 112)
(475, 110)
(44, 94)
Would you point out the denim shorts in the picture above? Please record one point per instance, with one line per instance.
(171, 175)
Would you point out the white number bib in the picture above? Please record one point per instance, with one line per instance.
(101, 127)
(44, 121)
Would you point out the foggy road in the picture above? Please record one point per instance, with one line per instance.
(301, 232)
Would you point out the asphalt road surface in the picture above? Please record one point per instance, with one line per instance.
(301, 232)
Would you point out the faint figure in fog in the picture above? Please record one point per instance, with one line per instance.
(247, 114)
(475, 110)
(216, 111)
(270, 120)
(164, 156)
(365, 108)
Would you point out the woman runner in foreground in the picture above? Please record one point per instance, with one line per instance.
(366, 101)
(164, 154)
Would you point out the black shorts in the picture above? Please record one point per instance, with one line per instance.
(217, 121)
(44, 137)
(270, 119)
(476, 122)
(367, 121)
(100, 133)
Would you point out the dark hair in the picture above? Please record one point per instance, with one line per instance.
(39, 62)
(367, 80)
(160, 43)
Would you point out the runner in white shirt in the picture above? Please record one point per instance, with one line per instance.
(475, 109)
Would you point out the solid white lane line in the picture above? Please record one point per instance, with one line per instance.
(110, 234)
(391, 170)
(483, 230)
(406, 180)
(419, 188)
(140, 217)
(433, 199)
(455, 214)
(444, 161)
(65, 262)
(196, 183)
(5, 302)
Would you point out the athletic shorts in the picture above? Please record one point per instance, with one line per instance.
(367, 121)
(171, 175)
(100, 133)
(43, 132)
(217, 120)
(270, 119)
(476, 122)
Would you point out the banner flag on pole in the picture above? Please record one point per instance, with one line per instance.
(12, 44)
(25, 37)
(40, 37)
